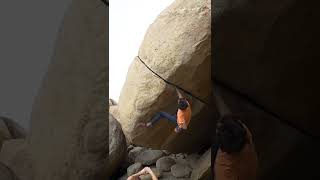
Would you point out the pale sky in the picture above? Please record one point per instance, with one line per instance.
(129, 21)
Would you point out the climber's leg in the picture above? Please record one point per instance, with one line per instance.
(167, 116)
(157, 117)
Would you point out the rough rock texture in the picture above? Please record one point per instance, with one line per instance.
(181, 170)
(165, 163)
(15, 155)
(177, 47)
(270, 135)
(117, 145)
(192, 160)
(202, 170)
(16, 131)
(4, 132)
(134, 168)
(149, 157)
(136, 151)
(6, 173)
(269, 51)
(68, 135)
(114, 111)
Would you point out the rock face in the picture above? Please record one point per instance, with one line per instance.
(6, 173)
(68, 135)
(136, 151)
(181, 170)
(273, 59)
(149, 157)
(202, 170)
(177, 46)
(16, 131)
(165, 163)
(270, 135)
(15, 155)
(117, 145)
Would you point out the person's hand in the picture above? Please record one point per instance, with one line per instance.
(145, 170)
(148, 169)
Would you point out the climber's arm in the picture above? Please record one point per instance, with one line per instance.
(179, 93)
(223, 109)
(142, 172)
(145, 170)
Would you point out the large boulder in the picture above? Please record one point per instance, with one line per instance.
(117, 145)
(69, 130)
(165, 163)
(15, 155)
(268, 51)
(177, 47)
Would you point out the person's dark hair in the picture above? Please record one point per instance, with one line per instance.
(231, 135)
(182, 104)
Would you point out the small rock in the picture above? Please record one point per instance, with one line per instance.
(180, 159)
(181, 156)
(149, 157)
(169, 176)
(134, 168)
(134, 153)
(192, 160)
(148, 176)
(130, 147)
(165, 163)
(181, 170)
(166, 152)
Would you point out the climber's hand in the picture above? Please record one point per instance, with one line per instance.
(147, 169)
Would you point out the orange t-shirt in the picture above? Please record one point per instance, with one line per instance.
(237, 166)
(184, 116)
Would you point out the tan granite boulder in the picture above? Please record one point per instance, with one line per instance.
(177, 47)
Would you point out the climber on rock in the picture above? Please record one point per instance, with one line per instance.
(233, 152)
(181, 119)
